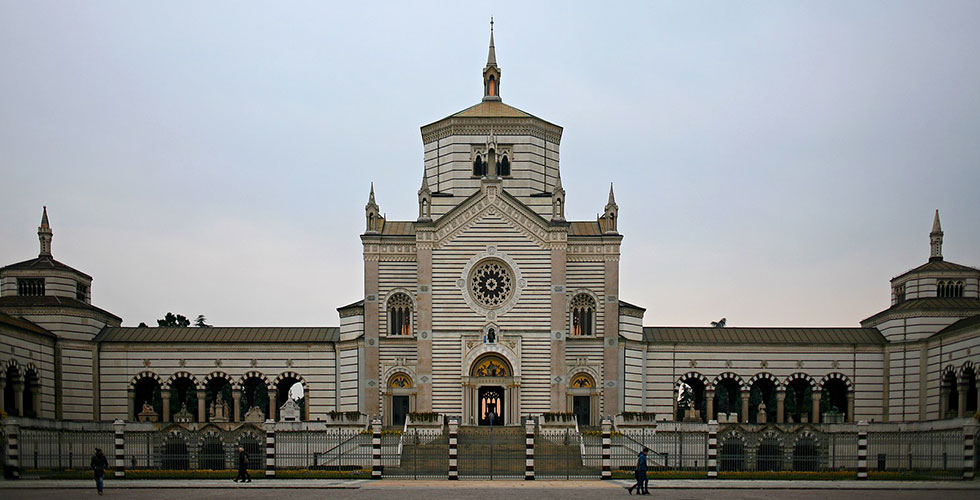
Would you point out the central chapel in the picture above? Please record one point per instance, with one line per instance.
(489, 305)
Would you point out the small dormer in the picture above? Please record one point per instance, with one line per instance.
(44, 276)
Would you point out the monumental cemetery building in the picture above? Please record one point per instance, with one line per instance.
(489, 305)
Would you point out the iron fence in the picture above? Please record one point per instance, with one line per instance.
(343, 450)
(415, 454)
(934, 453)
(491, 452)
(559, 455)
(56, 449)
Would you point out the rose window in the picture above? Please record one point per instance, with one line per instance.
(491, 283)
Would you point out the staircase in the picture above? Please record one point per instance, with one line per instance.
(427, 459)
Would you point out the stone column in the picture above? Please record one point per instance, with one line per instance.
(453, 450)
(36, 394)
(559, 319)
(969, 430)
(529, 450)
(606, 449)
(745, 407)
(709, 396)
(862, 472)
(236, 398)
(816, 407)
(12, 430)
(273, 402)
(3, 386)
(780, 406)
(120, 446)
(270, 449)
(423, 315)
(131, 404)
(943, 400)
(712, 449)
(850, 406)
(368, 379)
(611, 354)
(376, 449)
(961, 407)
(165, 396)
(202, 407)
(19, 397)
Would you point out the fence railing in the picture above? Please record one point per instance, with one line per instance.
(926, 449)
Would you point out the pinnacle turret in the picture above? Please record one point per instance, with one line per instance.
(936, 239)
(491, 73)
(44, 234)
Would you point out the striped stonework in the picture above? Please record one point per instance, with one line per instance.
(862, 450)
(529, 450)
(606, 449)
(713, 449)
(120, 444)
(969, 431)
(453, 450)
(270, 449)
(13, 454)
(376, 449)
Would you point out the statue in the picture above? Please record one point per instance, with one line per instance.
(219, 411)
(148, 414)
(255, 415)
(289, 411)
(183, 416)
(760, 417)
(719, 324)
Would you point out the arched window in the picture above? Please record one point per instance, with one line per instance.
(949, 288)
(583, 315)
(399, 314)
(900, 294)
(503, 168)
(479, 167)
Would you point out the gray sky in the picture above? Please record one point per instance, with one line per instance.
(776, 163)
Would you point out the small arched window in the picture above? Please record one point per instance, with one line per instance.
(583, 315)
(900, 294)
(504, 166)
(479, 167)
(399, 314)
(949, 288)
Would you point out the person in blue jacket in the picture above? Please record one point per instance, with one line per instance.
(642, 483)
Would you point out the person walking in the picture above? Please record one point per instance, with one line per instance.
(642, 483)
(243, 466)
(99, 464)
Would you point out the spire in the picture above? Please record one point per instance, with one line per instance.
(44, 235)
(558, 200)
(425, 201)
(372, 214)
(611, 215)
(371, 196)
(491, 73)
(612, 197)
(558, 183)
(492, 55)
(936, 239)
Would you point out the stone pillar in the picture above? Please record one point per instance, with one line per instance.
(273, 403)
(376, 449)
(961, 407)
(120, 445)
(780, 406)
(850, 406)
(165, 397)
(368, 378)
(3, 386)
(270, 449)
(131, 404)
(816, 407)
(12, 430)
(453, 450)
(202, 406)
(236, 401)
(969, 430)
(745, 407)
(36, 395)
(610, 360)
(606, 448)
(709, 396)
(943, 400)
(713, 449)
(529, 450)
(19, 397)
(559, 322)
(862, 450)
(423, 314)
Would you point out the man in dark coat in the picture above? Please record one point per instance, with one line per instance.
(243, 466)
(99, 464)
(642, 482)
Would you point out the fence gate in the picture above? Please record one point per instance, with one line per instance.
(416, 454)
(491, 452)
(558, 455)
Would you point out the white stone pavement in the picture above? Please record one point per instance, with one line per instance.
(443, 484)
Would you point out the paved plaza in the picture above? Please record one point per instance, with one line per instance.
(539, 490)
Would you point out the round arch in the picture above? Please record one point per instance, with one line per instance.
(145, 374)
(961, 371)
(800, 376)
(182, 375)
(255, 374)
(691, 406)
(765, 376)
(486, 349)
(219, 374)
(728, 376)
(837, 376)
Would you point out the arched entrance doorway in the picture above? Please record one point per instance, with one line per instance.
(583, 399)
(490, 392)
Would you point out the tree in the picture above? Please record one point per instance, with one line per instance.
(200, 321)
(142, 324)
(171, 320)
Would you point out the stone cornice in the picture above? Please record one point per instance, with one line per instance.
(480, 126)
